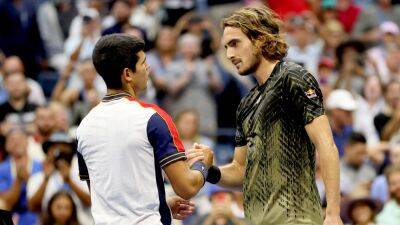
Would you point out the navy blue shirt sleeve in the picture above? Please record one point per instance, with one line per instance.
(83, 171)
(164, 138)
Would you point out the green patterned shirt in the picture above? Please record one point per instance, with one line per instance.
(279, 185)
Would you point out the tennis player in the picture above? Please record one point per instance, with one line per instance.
(280, 124)
(124, 144)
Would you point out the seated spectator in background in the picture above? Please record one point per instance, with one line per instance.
(391, 211)
(121, 11)
(54, 20)
(356, 172)
(351, 61)
(340, 105)
(192, 83)
(305, 47)
(13, 64)
(61, 210)
(362, 211)
(379, 188)
(392, 99)
(15, 172)
(60, 172)
(187, 122)
(17, 111)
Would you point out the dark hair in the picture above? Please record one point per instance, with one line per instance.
(113, 53)
(356, 137)
(49, 217)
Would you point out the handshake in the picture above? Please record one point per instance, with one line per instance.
(200, 156)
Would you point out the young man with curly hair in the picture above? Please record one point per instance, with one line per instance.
(280, 123)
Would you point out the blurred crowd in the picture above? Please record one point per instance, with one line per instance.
(48, 84)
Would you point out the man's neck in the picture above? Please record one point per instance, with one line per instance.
(17, 104)
(119, 91)
(264, 70)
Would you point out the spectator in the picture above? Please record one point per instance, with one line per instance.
(159, 59)
(54, 19)
(62, 118)
(379, 188)
(19, 34)
(121, 12)
(347, 14)
(392, 99)
(17, 111)
(201, 27)
(221, 212)
(83, 42)
(340, 105)
(61, 210)
(14, 64)
(371, 17)
(356, 172)
(187, 123)
(175, 9)
(333, 34)
(60, 172)
(369, 105)
(82, 100)
(148, 16)
(306, 47)
(192, 83)
(351, 62)
(391, 211)
(44, 127)
(362, 211)
(385, 55)
(15, 172)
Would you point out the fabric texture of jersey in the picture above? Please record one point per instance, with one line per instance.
(122, 146)
(279, 185)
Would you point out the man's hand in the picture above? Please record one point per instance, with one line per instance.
(194, 155)
(22, 170)
(180, 208)
(64, 169)
(48, 168)
(208, 154)
(333, 220)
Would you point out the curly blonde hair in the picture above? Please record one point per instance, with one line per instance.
(261, 26)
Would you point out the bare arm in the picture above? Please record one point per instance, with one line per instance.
(391, 127)
(12, 195)
(320, 134)
(232, 174)
(82, 195)
(185, 182)
(35, 203)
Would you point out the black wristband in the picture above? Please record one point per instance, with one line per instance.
(214, 175)
(200, 166)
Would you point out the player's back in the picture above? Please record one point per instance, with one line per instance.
(126, 182)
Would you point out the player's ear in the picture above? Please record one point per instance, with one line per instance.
(127, 75)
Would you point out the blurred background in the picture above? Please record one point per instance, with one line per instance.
(48, 84)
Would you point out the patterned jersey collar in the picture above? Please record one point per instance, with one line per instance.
(111, 97)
